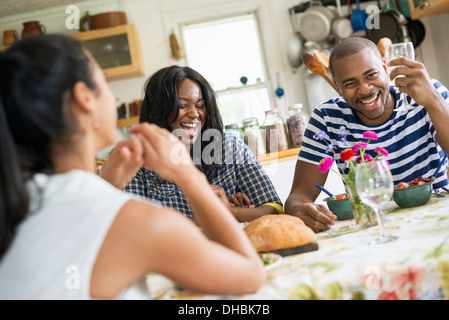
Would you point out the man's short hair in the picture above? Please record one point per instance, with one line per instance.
(349, 47)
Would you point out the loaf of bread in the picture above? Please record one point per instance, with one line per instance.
(278, 231)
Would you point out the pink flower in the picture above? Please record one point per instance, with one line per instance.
(325, 164)
(381, 151)
(359, 145)
(367, 157)
(370, 135)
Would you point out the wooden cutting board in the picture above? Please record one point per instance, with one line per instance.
(296, 250)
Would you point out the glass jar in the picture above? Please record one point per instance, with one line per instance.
(296, 125)
(253, 136)
(233, 128)
(275, 132)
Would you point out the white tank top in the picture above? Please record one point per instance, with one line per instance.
(55, 247)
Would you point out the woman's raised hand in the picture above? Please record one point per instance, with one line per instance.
(162, 152)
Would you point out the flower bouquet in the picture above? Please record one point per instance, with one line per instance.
(364, 215)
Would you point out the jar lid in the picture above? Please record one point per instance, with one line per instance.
(272, 110)
(251, 121)
(232, 126)
(295, 106)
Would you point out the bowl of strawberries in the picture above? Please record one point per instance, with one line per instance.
(414, 193)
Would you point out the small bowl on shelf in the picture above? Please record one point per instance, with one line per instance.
(413, 195)
(340, 207)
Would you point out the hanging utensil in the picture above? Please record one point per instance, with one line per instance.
(314, 65)
(295, 47)
(322, 58)
(341, 26)
(358, 18)
(383, 42)
(279, 91)
(316, 22)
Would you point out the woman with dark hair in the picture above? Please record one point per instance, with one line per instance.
(182, 101)
(66, 233)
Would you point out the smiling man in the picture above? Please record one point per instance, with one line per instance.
(416, 139)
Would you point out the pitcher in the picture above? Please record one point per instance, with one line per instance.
(32, 28)
(9, 37)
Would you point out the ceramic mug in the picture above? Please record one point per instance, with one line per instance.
(9, 37)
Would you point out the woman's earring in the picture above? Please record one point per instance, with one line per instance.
(95, 125)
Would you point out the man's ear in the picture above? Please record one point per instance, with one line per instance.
(83, 97)
(337, 86)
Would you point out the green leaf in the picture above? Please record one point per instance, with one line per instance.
(303, 292)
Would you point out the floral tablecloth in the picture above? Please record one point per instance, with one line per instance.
(346, 266)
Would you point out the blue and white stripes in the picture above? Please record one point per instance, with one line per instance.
(409, 137)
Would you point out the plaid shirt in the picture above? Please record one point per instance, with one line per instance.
(240, 172)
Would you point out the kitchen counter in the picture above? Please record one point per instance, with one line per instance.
(270, 158)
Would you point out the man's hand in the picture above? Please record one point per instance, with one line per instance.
(316, 216)
(416, 83)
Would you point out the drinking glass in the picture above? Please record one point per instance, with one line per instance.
(393, 51)
(374, 184)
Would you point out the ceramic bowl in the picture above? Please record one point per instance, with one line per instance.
(413, 196)
(341, 208)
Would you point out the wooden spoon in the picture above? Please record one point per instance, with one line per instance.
(322, 58)
(314, 65)
(383, 42)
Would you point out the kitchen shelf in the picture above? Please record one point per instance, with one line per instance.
(271, 158)
(116, 49)
(126, 122)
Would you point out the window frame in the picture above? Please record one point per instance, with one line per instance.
(267, 84)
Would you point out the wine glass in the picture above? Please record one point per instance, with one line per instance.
(374, 185)
(396, 50)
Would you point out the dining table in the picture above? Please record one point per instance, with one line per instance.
(347, 266)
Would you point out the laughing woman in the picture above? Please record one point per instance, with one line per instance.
(66, 233)
(182, 101)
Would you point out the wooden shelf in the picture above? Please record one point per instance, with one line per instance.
(121, 123)
(270, 158)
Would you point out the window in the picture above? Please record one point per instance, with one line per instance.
(227, 52)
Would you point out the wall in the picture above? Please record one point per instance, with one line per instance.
(152, 20)
(156, 19)
(282, 173)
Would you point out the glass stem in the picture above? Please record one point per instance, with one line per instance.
(380, 221)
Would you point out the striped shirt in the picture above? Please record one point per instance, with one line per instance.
(408, 136)
(240, 172)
